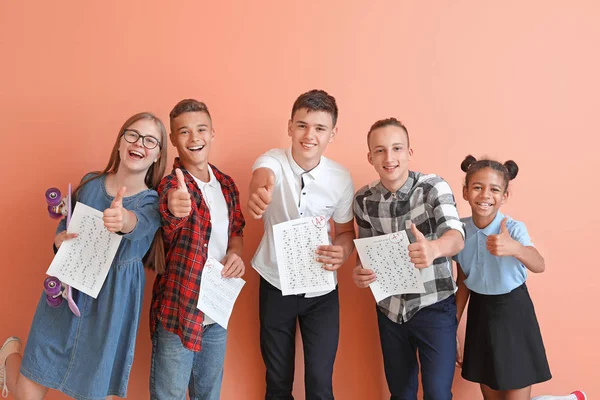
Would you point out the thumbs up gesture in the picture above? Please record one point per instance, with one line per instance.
(116, 216)
(422, 251)
(179, 201)
(502, 244)
(261, 192)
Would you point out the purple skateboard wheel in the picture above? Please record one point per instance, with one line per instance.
(54, 302)
(52, 286)
(53, 196)
(53, 214)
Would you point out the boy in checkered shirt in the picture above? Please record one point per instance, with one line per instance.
(425, 206)
(201, 218)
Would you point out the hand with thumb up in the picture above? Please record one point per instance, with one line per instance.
(116, 217)
(179, 201)
(503, 244)
(261, 192)
(422, 251)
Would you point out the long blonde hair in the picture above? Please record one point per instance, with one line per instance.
(155, 258)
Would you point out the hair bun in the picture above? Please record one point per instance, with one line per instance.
(513, 169)
(467, 162)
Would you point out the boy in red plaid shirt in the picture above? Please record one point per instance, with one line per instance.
(201, 214)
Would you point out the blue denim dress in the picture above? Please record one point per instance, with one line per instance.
(90, 357)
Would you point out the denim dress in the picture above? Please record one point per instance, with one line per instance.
(90, 357)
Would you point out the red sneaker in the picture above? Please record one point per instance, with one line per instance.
(580, 395)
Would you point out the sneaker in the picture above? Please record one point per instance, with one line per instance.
(12, 345)
(576, 395)
(580, 395)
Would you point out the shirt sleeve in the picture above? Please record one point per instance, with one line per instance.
(343, 212)
(148, 217)
(238, 222)
(444, 209)
(270, 161)
(364, 226)
(518, 231)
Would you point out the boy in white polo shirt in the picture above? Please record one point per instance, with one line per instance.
(288, 184)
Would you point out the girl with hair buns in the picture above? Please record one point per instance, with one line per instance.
(503, 351)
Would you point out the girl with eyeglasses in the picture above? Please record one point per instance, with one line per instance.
(90, 357)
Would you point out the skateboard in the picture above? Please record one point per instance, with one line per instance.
(56, 291)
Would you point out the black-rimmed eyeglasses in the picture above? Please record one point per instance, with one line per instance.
(132, 136)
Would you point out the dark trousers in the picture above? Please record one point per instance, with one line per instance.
(319, 322)
(431, 332)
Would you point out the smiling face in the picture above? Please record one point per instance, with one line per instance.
(486, 193)
(390, 153)
(135, 156)
(311, 132)
(192, 134)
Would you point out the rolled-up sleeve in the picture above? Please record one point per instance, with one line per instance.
(237, 223)
(443, 204)
(364, 227)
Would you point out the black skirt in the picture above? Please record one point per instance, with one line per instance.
(503, 343)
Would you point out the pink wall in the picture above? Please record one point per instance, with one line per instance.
(508, 79)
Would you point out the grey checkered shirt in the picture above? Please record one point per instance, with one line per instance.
(428, 202)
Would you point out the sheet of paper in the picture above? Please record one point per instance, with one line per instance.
(218, 294)
(83, 262)
(296, 243)
(387, 256)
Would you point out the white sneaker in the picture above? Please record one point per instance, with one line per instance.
(12, 345)
(576, 395)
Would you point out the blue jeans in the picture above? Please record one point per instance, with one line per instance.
(175, 368)
(431, 331)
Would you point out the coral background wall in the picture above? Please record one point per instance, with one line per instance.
(510, 79)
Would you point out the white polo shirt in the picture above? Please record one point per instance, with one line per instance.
(328, 190)
(219, 220)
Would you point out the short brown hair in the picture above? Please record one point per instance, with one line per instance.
(317, 100)
(382, 123)
(188, 105)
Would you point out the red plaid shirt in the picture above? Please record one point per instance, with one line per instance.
(175, 293)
